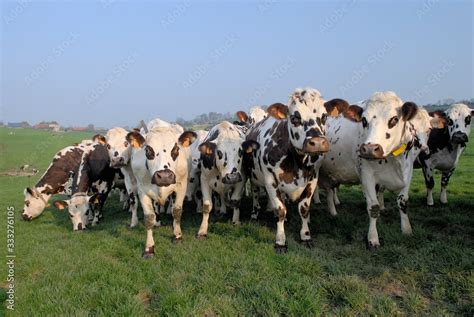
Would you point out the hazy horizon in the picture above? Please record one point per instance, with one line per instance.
(113, 63)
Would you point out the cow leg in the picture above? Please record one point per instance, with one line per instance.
(150, 220)
(429, 182)
(373, 209)
(206, 208)
(198, 198)
(134, 209)
(330, 201)
(316, 198)
(158, 211)
(275, 200)
(178, 211)
(255, 201)
(222, 207)
(443, 197)
(303, 209)
(337, 202)
(235, 199)
(380, 198)
(402, 202)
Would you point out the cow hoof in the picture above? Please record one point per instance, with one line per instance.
(176, 240)
(307, 243)
(148, 255)
(428, 205)
(236, 223)
(372, 246)
(280, 249)
(201, 236)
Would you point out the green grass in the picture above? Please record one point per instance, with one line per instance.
(235, 271)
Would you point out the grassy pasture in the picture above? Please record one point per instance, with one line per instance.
(235, 271)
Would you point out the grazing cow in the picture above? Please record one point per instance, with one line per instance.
(379, 147)
(221, 170)
(194, 177)
(56, 180)
(91, 184)
(120, 153)
(287, 161)
(446, 145)
(160, 163)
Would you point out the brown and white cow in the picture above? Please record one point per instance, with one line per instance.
(161, 162)
(90, 187)
(286, 162)
(56, 180)
(221, 170)
(446, 144)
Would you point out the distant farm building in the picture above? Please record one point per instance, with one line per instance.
(19, 125)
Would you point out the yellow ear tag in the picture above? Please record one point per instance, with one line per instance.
(399, 150)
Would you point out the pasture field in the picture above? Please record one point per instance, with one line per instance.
(100, 272)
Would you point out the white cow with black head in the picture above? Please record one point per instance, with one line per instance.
(446, 144)
(161, 162)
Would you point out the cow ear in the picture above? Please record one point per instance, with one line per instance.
(61, 204)
(135, 139)
(409, 110)
(250, 146)
(336, 106)
(354, 113)
(31, 192)
(99, 138)
(187, 138)
(242, 116)
(438, 123)
(472, 112)
(278, 111)
(207, 148)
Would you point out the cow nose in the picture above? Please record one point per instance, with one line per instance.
(164, 177)
(372, 151)
(117, 161)
(232, 178)
(460, 137)
(316, 145)
(26, 217)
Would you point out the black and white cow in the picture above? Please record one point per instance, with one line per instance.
(90, 187)
(378, 148)
(56, 180)
(221, 170)
(255, 115)
(161, 163)
(194, 178)
(287, 161)
(120, 153)
(446, 145)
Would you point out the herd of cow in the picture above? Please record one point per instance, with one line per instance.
(285, 152)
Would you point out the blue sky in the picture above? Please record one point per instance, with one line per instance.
(113, 63)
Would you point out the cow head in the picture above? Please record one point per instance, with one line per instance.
(385, 122)
(34, 203)
(79, 207)
(162, 149)
(306, 117)
(458, 120)
(118, 148)
(225, 152)
(255, 115)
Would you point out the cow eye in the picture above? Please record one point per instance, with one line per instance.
(365, 124)
(450, 121)
(149, 152)
(392, 122)
(468, 120)
(323, 118)
(27, 203)
(296, 119)
(125, 143)
(219, 154)
(108, 146)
